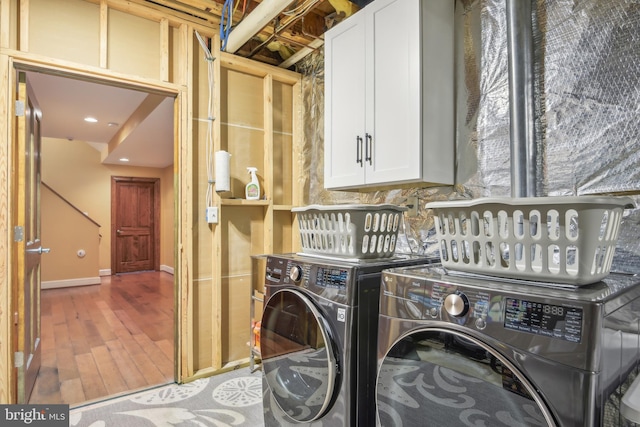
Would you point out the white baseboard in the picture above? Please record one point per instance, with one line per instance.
(52, 284)
(166, 269)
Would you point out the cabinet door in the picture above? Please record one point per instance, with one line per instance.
(393, 91)
(344, 103)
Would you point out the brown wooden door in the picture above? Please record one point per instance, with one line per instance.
(135, 224)
(27, 244)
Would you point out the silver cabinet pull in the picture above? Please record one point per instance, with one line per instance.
(368, 149)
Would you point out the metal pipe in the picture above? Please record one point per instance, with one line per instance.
(293, 59)
(521, 98)
(254, 22)
(286, 23)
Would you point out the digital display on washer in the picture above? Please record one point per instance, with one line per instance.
(331, 278)
(554, 321)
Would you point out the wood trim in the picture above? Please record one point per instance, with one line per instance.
(156, 217)
(7, 379)
(34, 62)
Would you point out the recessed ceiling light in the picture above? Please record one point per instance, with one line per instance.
(112, 124)
(91, 120)
(124, 159)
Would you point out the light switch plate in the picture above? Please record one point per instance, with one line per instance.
(212, 215)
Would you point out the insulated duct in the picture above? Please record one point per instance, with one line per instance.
(259, 18)
(521, 98)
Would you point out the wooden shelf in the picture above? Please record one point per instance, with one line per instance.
(283, 207)
(244, 202)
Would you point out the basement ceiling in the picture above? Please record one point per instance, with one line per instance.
(291, 34)
(144, 136)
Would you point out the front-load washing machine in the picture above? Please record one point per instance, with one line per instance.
(456, 350)
(318, 339)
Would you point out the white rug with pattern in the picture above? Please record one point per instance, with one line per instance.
(230, 399)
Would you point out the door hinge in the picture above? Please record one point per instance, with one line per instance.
(19, 108)
(18, 233)
(18, 359)
(15, 318)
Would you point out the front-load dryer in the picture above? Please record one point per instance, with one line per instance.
(318, 339)
(455, 350)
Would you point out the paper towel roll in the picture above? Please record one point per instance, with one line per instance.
(223, 180)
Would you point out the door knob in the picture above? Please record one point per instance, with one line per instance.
(39, 250)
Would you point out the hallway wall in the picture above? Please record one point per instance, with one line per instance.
(73, 169)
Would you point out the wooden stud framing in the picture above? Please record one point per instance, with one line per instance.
(104, 34)
(268, 161)
(23, 37)
(182, 87)
(217, 236)
(185, 212)
(164, 50)
(5, 19)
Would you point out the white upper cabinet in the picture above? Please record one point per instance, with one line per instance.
(389, 97)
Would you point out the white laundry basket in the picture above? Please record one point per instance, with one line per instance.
(349, 231)
(551, 239)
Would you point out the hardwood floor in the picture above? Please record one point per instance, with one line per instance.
(106, 339)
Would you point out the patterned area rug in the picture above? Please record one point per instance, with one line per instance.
(230, 399)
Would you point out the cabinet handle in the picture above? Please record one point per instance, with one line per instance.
(368, 149)
(359, 150)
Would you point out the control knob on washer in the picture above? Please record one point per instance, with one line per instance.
(457, 305)
(295, 273)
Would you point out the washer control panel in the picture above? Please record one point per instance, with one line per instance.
(321, 279)
(480, 307)
(556, 321)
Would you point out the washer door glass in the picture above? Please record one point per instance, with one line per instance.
(442, 378)
(298, 355)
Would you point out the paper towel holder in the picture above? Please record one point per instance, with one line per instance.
(222, 177)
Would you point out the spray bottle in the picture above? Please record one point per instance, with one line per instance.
(252, 190)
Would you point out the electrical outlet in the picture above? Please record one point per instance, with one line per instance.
(212, 215)
(412, 204)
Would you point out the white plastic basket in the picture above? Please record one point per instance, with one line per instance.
(550, 239)
(349, 231)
